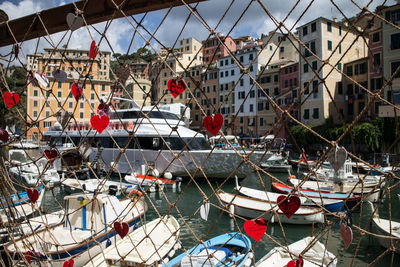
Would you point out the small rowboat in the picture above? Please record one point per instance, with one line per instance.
(332, 205)
(316, 255)
(387, 231)
(350, 200)
(253, 208)
(146, 246)
(369, 192)
(232, 249)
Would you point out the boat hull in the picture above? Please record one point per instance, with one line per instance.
(385, 242)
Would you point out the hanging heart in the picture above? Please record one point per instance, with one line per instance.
(11, 99)
(337, 157)
(28, 256)
(176, 88)
(295, 263)
(213, 124)
(63, 118)
(93, 50)
(42, 79)
(121, 228)
(60, 75)
(4, 135)
(99, 123)
(74, 22)
(76, 91)
(255, 229)
(33, 194)
(51, 155)
(16, 50)
(288, 205)
(347, 234)
(69, 263)
(204, 210)
(103, 109)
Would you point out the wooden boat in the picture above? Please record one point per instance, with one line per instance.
(349, 199)
(388, 231)
(86, 230)
(316, 255)
(232, 249)
(72, 186)
(146, 246)
(369, 192)
(253, 208)
(332, 205)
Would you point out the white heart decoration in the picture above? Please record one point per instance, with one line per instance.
(42, 79)
(63, 118)
(60, 75)
(74, 22)
(204, 210)
(337, 156)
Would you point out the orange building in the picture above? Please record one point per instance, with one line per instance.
(43, 102)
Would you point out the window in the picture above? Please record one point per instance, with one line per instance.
(35, 93)
(59, 84)
(286, 83)
(339, 66)
(306, 87)
(251, 57)
(251, 107)
(294, 94)
(260, 106)
(270, 47)
(241, 58)
(251, 80)
(305, 31)
(35, 103)
(394, 66)
(349, 70)
(340, 48)
(276, 78)
(59, 94)
(395, 41)
(340, 30)
(315, 65)
(232, 61)
(306, 114)
(261, 121)
(70, 104)
(282, 49)
(241, 82)
(35, 113)
(251, 68)
(81, 104)
(232, 72)
(81, 115)
(329, 45)
(222, 74)
(226, 73)
(276, 91)
(315, 113)
(376, 37)
(313, 27)
(329, 26)
(226, 62)
(103, 87)
(252, 93)
(377, 59)
(305, 68)
(267, 106)
(340, 88)
(350, 89)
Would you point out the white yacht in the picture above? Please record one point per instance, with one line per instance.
(157, 137)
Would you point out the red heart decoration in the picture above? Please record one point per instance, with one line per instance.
(121, 228)
(69, 263)
(295, 263)
(33, 195)
(11, 99)
(288, 205)
(28, 256)
(213, 124)
(3, 135)
(99, 122)
(347, 234)
(255, 229)
(76, 91)
(93, 50)
(103, 109)
(51, 155)
(176, 88)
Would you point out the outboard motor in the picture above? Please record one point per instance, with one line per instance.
(112, 190)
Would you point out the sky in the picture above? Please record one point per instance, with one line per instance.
(254, 21)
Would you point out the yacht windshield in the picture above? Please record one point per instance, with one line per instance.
(135, 114)
(18, 156)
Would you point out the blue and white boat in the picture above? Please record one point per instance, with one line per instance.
(87, 229)
(18, 198)
(232, 249)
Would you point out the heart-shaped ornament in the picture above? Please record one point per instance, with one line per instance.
(28, 256)
(93, 50)
(103, 109)
(63, 118)
(347, 234)
(69, 263)
(74, 22)
(204, 210)
(121, 228)
(42, 79)
(33, 194)
(337, 157)
(76, 90)
(51, 155)
(99, 123)
(60, 75)
(11, 99)
(4, 135)
(295, 263)
(288, 205)
(255, 229)
(213, 123)
(176, 88)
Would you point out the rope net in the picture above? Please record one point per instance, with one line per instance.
(103, 117)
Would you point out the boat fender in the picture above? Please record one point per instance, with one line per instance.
(166, 260)
(251, 255)
(155, 173)
(171, 253)
(177, 246)
(232, 211)
(247, 263)
(168, 175)
(135, 192)
(108, 243)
